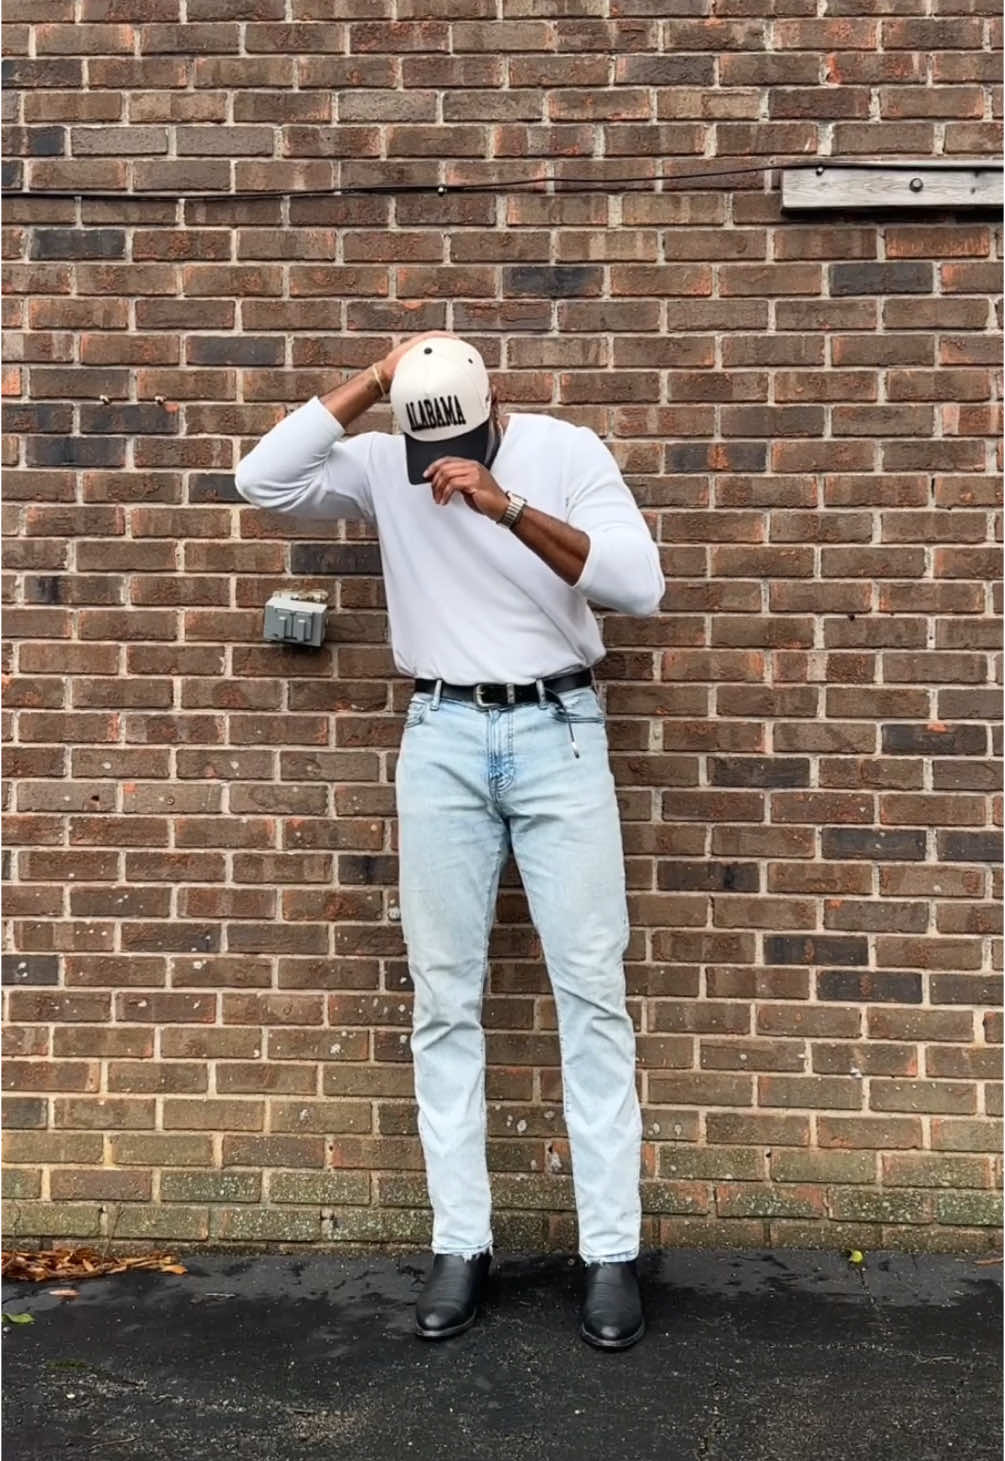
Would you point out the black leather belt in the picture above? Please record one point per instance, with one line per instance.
(486, 695)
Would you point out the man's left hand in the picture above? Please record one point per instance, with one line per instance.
(474, 482)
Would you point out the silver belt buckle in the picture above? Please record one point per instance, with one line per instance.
(482, 704)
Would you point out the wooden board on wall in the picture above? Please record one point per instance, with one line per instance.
(926, 184)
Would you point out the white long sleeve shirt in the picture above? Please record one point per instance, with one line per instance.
(467, 601)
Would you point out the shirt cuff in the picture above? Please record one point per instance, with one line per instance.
(324, 428)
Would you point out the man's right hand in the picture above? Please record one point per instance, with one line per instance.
(389, 364)
(360, 392)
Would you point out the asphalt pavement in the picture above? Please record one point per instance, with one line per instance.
(770, 1356)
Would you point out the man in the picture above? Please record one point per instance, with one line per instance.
(494, 534)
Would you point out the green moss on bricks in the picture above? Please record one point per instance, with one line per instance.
(326, 1189)
(51, 1219)
(160, 1222)
(676, 1197)
(811, 1166)
(373, 1225)
(273, 1224)
(402, 1189)
(934, 1169)
(823, 1235)
(880, 1207)
(934, 1238)
(742, 1201)
(21, 1185)
(969, 1209)
(731, 1164)
(520, 1231)
(513, 1189)
(211, 1186)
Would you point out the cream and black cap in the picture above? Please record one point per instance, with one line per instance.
(442, 401)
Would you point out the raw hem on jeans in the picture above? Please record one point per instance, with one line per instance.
(466, 1253)
(611, 1257)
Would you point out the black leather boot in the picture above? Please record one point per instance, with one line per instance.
(612, 1315)
(449, 1302)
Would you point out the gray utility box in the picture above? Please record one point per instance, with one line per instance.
(294, 619)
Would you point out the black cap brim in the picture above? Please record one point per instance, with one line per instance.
(471, 445)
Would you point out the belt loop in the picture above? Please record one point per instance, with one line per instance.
(540, 693)
(437, 691)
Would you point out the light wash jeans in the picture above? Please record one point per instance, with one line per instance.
(470, 784)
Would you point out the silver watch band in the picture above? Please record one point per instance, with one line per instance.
(512, 513)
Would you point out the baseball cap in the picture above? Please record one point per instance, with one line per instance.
(442, 401)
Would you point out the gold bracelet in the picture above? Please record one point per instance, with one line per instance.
(380, 383)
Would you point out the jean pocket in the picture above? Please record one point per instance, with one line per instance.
(418, 709)
(581, 706)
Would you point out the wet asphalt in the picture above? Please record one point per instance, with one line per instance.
(771, 1356)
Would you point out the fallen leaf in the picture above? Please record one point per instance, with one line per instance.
(18, 1318)
(46, 1264)
(62, 1293)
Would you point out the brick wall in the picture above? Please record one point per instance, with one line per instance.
(207, 993)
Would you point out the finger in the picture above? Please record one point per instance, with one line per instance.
(460, 472)
(439, 481)
(444, 488)
(443, 464)
(455, 477)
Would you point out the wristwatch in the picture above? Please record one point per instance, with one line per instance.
(511, 516)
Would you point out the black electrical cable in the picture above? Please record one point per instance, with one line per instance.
(513, 185)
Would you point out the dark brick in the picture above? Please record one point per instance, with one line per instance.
(234, 350)
(845, 843)
(28, 418)
(141, 418)
(970, 846)
(75, 451)
(913, 277)
(334, 559)
(869, 986)
(815, 949)
(50, 72)
(926, 740)
(43, 588)
(78, 243)
(213, 487)
(969, 989)
(551, 281)
(25, 1113)
(30, 969)
(43, 141)
(759, 771)
(708, 877)
(729, 456)
(378, 870)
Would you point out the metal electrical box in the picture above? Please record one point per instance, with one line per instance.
(295, 619)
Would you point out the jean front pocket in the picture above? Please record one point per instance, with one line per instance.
(418, 709)
(582, 707)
